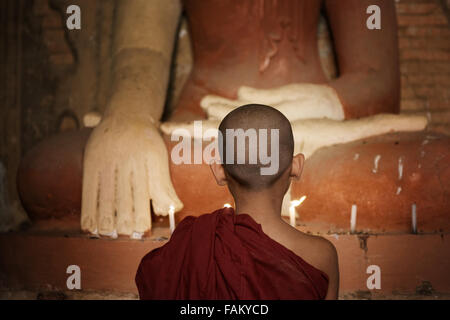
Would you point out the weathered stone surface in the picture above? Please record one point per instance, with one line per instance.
(384, 176)
(49, 176)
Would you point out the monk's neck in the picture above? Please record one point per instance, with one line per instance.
(262, 207)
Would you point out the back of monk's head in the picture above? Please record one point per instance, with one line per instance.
(257, 145)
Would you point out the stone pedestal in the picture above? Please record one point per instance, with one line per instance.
(38, 259)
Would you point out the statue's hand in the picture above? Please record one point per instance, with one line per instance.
(125, 166)
(209, 129)
(313, 134)
(296, 101)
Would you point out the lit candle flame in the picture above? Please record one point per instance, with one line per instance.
(294, 203)
(227, 205)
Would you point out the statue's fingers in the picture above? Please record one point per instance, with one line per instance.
(313, 134)
(163, 196)
(309, 108)
(160, 185)
(141, 198)
(124, 196)
(177, 130)
(89, 198)
(350, 130)
(106, 205)
(271, 96)
(219, 111)
(210, 100)
(397, 122)
(263, 96)
(287, 92)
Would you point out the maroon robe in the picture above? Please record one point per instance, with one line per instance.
(226, 256)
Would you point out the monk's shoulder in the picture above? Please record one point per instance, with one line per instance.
(318, 251)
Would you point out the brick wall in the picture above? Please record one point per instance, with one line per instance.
(53, 35)
(46, 60)
(78, 60)
(424, 42)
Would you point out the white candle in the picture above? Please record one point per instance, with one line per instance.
(292, 212)
(292, 215)
(172, 218)
(414, 218)
(353, 218)
(400, 168)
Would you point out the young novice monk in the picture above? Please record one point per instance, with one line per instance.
(249, 253)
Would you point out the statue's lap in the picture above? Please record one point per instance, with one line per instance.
(334, 179)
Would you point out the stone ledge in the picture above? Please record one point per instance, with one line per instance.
(32, 261)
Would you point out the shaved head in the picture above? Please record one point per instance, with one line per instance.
(257, 145)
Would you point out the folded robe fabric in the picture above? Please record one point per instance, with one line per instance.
(222, 255)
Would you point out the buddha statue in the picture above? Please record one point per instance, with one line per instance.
(254, 51)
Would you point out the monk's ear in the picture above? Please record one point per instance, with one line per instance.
(219, 173)
(297, 166)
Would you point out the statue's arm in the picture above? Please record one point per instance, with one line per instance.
(369, 79)
(125, 159)
(144, 36)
